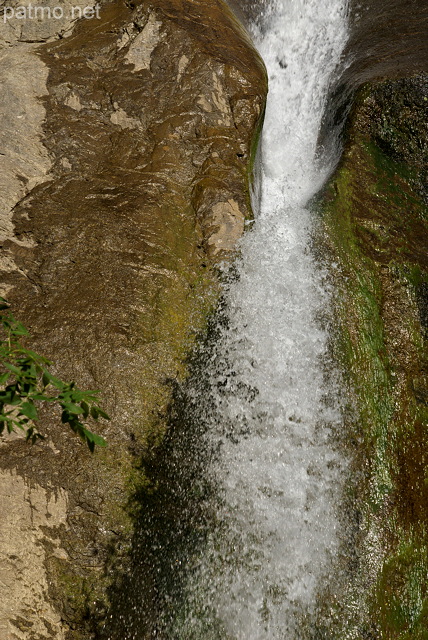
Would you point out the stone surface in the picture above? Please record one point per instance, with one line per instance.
(228, 222)
(129, 179)
(249, 12)
(24, 161)
(31, 518)
(387, 39)
(376, 216)
(40, 20)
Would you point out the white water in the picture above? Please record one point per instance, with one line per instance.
(278, 472)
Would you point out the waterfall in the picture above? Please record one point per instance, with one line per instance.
(273, 412)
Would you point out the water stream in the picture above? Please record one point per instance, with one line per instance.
(274, 412)
(242, 536)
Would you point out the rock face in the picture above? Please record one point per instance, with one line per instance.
(29, 527)
(126, 152)
(376, 215)
(249, 11)
(388, 39)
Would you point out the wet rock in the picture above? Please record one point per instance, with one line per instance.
(130, 178)
(228, 222)
(397, 119)
(376, 217)
(249, 11)
(387, 39)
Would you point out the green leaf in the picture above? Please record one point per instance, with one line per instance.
(85, 408)
(77, 396)
(12, 368)
(4, 377)
(75, 409)
(41, 397)
(18, 329)
(90, 396)
(103, 414)
(36, 357)
(58, 384)
(98, 440)
(30, 377)
(9, 397)
(29, 410)
(93, 438)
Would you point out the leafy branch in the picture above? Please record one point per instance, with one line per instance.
(26, 382)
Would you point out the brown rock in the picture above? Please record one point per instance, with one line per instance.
(141, 174)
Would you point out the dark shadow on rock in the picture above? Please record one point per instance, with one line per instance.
(171, 508)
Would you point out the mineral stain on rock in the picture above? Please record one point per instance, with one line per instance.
(140, 49)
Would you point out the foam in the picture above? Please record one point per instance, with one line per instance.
(278, 474)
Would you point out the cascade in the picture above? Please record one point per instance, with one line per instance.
(274, 412)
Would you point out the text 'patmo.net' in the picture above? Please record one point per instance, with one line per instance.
(40, 13)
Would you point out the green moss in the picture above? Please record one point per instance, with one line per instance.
(253, 156)
(82, 597)
(415, 275)
(401, 593)
(375, 221)
(361, 341)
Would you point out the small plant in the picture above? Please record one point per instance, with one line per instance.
(25, 382)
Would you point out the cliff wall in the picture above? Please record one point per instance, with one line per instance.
(127, 143)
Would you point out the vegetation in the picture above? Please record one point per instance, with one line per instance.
(375, 217)
(26, 383)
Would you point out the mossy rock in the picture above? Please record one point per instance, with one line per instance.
(375, 214)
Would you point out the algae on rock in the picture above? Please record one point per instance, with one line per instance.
(375, 216)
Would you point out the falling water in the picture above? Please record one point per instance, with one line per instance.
(274, 412)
